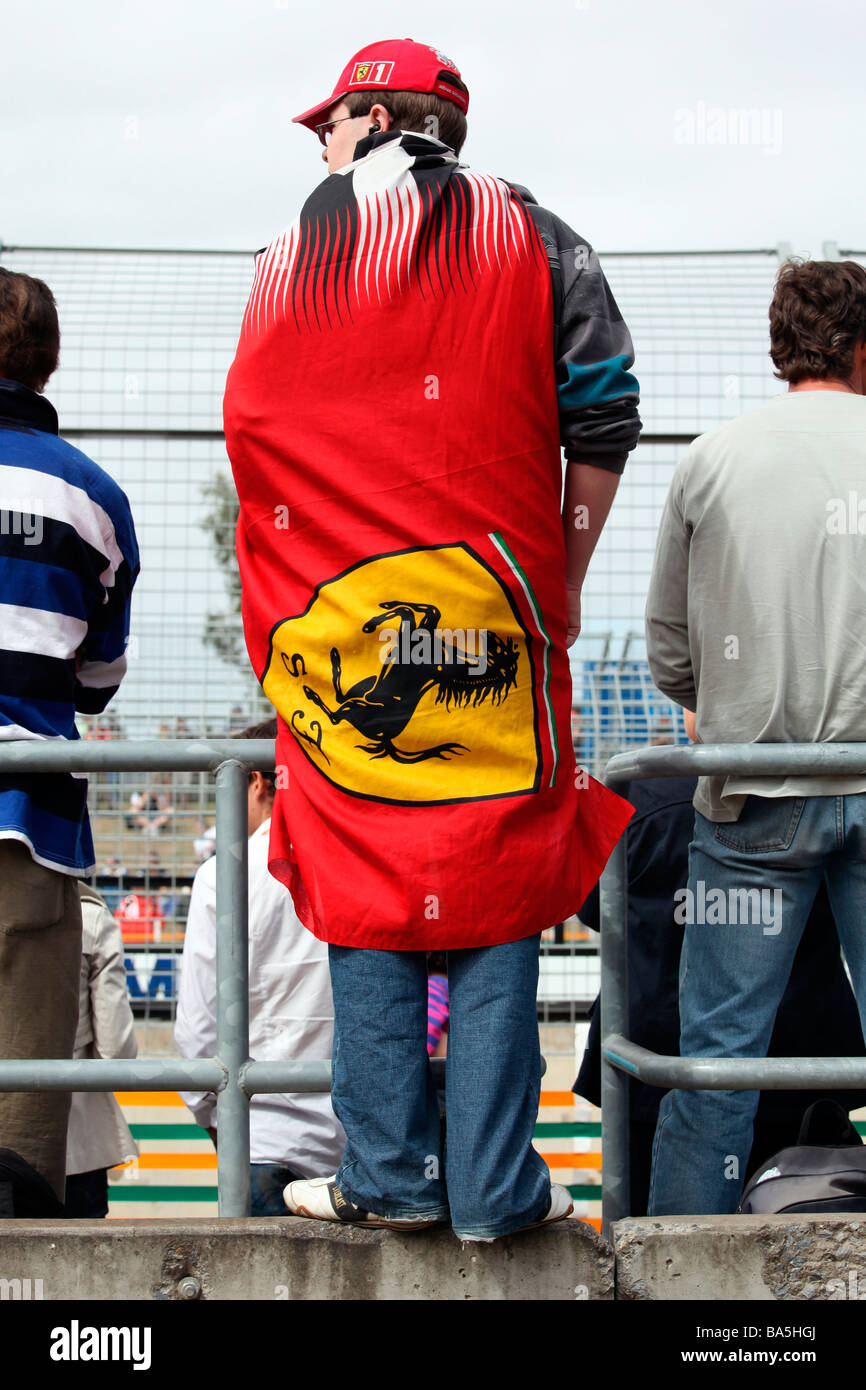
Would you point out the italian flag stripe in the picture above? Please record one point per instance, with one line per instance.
(503, 549)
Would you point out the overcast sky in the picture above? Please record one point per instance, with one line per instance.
(169, 123)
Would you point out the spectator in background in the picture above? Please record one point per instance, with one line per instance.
(150, 812)
(817, 1016)
(68, 562)
(291, 1012)
(99, 1137)
(755, 621)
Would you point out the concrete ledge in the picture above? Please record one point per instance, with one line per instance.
(741, 1257)
(295, 1259)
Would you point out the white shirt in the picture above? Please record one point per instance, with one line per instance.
(291, 1015)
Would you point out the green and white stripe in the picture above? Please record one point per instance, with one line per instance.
(503, 549)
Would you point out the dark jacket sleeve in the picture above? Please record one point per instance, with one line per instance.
(596, 392)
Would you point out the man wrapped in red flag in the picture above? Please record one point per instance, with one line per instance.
(417, 347)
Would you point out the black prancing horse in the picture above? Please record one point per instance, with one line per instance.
(381, 706)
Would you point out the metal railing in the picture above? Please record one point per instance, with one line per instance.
(622, 1058)
(231, 1073)
(234, 1077)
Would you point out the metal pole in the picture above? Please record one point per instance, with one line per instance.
(233, 1010)
(104, 1074)
(613, 906)
(733, 1073)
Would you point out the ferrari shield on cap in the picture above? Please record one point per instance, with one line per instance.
(399, 64)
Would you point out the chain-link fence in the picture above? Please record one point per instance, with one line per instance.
(147, 339)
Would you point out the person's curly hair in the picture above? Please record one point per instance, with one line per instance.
(29, 330)
(817, 319)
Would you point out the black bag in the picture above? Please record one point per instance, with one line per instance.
(824, 1172)
(23, 1192)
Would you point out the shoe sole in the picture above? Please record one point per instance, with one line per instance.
(368, 1225)
(546, 1221)
(533, 1226)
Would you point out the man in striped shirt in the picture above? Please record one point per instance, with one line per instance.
(68, 561)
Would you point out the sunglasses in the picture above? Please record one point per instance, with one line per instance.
(325, 130)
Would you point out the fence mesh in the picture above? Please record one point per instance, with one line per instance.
(147, 339)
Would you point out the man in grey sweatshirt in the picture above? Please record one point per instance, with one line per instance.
(756, 620)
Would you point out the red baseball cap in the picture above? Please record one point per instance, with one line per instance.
(399, 64)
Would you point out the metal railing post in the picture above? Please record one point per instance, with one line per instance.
(613, 906)
(233, 1011)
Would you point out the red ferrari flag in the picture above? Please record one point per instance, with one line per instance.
(393, 419)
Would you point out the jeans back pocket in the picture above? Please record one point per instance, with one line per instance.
(767, 824)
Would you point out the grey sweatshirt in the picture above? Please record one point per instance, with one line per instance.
(756, 613)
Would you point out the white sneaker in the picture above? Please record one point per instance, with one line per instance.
(321, 1199)
(560, 1206)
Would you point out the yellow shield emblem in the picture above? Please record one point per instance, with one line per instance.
(410, 678)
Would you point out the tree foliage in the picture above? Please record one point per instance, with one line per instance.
(223, 630)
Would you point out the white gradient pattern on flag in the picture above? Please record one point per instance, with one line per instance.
(394, 230)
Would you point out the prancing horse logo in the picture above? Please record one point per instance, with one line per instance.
(380, 706)
(425, 698)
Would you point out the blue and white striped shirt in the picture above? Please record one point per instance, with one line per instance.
(68, 561)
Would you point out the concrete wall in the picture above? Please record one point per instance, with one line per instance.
(666, 1259)
(294, 1258)
(756, 1258)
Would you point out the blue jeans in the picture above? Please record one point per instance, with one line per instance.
(736, 960)
(490, 1181)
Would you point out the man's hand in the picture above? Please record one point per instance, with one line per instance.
(573, 615)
